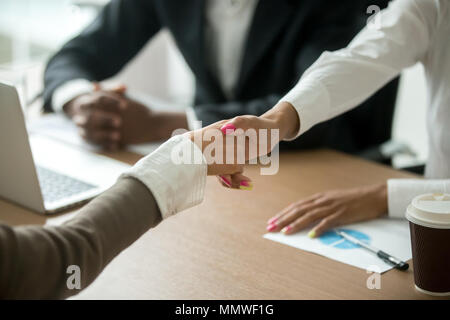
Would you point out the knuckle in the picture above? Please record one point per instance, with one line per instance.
(333, 207)
(83, 105)
(320, 195)
(326, 221)
(102, 99)
(316, 213)
(298, 209)
(238, 121)
(325, 200)
(292, 215)
(91, 120)
(243, 121)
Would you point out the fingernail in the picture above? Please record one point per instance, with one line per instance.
(286, 229)
(225, 180)
(228, 128)
(273, 220)
(312, 234)
(246, 185)
(271, 227)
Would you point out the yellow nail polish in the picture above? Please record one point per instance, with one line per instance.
(248, 187)
(312, 234)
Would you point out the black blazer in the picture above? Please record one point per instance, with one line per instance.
(285, 38)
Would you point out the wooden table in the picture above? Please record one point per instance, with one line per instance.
(216, 250)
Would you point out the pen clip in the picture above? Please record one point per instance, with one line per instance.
(398, 264)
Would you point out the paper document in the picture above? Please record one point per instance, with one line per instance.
(59, 127)
(389, 235)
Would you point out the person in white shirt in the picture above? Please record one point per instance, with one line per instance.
(244, 55)
(406, 33)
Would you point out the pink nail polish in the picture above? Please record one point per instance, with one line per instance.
(228, 128)
(271, 227)
(272, 220)
(225, 180)
(245, 183)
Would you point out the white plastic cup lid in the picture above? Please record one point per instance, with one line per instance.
(430, 210)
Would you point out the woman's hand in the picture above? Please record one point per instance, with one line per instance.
(331, 209)
(253, 136)
(229, 174)
(241, 139)
(282, 117)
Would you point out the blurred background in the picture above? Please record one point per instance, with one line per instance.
(32, 30)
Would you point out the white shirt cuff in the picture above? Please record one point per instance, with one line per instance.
(311, 101)
(69, 91)
(402, 191)
(175, 173)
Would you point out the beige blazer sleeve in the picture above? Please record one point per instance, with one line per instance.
(34, 259)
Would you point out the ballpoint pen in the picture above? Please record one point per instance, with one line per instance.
(397, 263)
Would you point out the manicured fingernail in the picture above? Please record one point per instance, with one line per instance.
(272, 220)
(312, 234)
(246, 185)
(225, 180)
(286, 229)
(271, 227)
(228, 128)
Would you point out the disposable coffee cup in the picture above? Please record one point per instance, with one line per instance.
(429, 222)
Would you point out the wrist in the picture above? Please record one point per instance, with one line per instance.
(379, 192)
(286, 119)
(68, 108)
(165, 123)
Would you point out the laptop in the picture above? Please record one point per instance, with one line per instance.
(42, 174)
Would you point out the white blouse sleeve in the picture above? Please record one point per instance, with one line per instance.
(402, 191)
(175, 173)
(338, 81)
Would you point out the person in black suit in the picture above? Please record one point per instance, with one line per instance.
(244, 57)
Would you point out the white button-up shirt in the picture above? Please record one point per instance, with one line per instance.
(227, 26)
(406, 33)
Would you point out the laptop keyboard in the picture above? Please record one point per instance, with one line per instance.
(56, 186)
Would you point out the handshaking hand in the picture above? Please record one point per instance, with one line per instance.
(229, 144)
